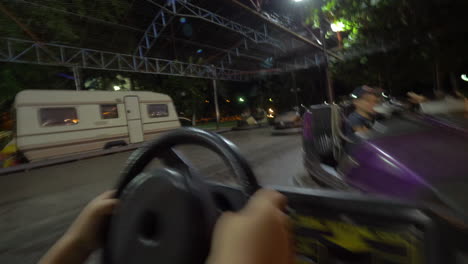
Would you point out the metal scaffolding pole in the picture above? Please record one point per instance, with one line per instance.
(215, 94)
(294, 88)
(330, 91)
(25, 51)
(77, 77)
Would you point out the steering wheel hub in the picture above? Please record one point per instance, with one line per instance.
(158, 209)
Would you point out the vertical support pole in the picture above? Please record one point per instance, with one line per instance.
(38, 55)
(330, 92)
(163, 18)
(455, 84)
(10, 51)
(438, 83)
(173, 3)
(293, 75)
(215, 94)
(62, 55)
(340, 39)
(77, 76)
(173, 42)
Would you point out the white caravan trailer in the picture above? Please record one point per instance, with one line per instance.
(52, 124)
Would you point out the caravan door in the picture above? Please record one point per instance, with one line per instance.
(135, 126)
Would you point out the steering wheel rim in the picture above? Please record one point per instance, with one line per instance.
(230, 154)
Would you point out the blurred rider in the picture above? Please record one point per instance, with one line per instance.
(359, 122)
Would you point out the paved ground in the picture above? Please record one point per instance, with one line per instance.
(37, 206)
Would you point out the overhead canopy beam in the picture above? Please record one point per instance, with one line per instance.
(299, 63)
(25, 51)
(241, 48)
(303, 62)
(221, 50)
(184, 8)
(191, 10)
(156, 28)
(285, 29)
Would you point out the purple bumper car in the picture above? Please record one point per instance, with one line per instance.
(409, 156)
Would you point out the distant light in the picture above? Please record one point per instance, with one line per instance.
(325, 102)
(66, 76)
(464, 77)
(116, 88)
(206, 101)
(353, 96)
(297, 1)
(384, 95)
(228, 101)
(199, 51)
(183, 20)
(241, 99)
(271, 100)
(337, 26)
(270, 110)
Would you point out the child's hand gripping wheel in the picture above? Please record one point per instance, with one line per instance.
(168, 215)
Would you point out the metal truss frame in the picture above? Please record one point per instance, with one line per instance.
(302, 63)
(184, 8)
(299, 64)
(157, 26)
(250, 33)
(236, 51)
(25, 51)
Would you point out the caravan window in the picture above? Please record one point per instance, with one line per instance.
(109, 111)
(158, 110)
(58, 116)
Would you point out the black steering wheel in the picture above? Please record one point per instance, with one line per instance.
(168, 214)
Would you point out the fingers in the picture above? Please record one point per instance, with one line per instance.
(265, 198)
(106, 195)
(103, 204)
(277, 199)
(106, 207)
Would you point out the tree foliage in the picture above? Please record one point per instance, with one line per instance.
(57, 20)
(49, 21)
(397, 43)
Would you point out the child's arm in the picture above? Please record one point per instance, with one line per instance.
(84, 235)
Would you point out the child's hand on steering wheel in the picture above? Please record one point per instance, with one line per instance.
(88, 227)
(258, 234)
(85, 234)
